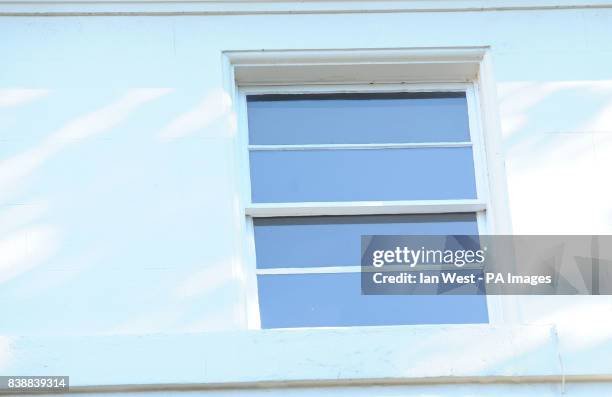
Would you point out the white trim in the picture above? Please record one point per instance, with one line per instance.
(478, 149)
(503, 309)
(245, 240)
(356, 66)
(490, 177)
(403, 69)
(243, 59)
(338, 87)
(310, 270)
(364, 208)
(256, 7)
(481, 167)
(361, 146)
(486, 100)
(358, 269)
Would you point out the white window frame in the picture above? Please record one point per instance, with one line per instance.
(250, 80)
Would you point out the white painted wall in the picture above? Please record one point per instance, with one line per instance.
(118, 189)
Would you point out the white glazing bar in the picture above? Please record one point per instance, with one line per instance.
(365, 208)
(361, 146)
(310, 270)
(357, 269)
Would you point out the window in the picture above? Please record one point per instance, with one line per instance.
(327, 166)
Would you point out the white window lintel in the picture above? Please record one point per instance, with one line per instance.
(385, 65)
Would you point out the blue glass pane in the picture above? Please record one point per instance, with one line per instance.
(336, 240)
(335, 300)
(358, 118)
(362, 175)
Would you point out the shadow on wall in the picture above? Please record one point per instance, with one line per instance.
(97, 219)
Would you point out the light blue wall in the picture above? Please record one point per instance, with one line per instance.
(118, 184)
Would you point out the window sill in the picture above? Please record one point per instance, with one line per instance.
(379, 355)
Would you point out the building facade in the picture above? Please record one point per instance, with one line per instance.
(148, 150)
